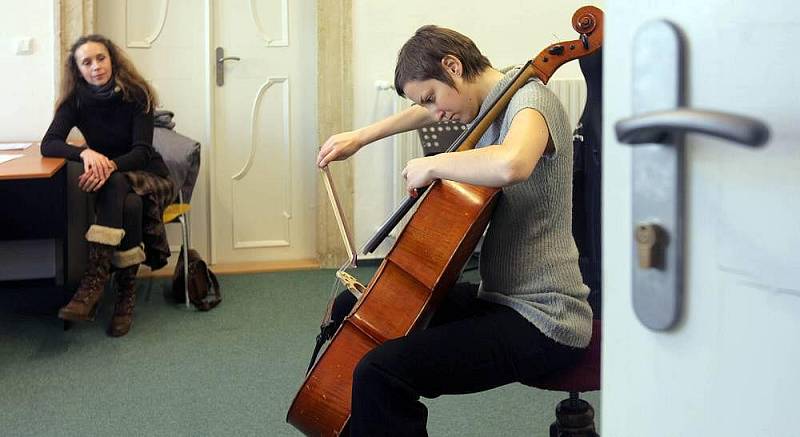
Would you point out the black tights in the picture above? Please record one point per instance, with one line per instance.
(469, 346)
(117, 206)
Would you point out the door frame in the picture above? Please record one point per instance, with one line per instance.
(334, 115)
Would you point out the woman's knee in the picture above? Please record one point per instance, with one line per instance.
(116, 185)
(382, 366)
(133, 205)
(368, 370)
(379, 373)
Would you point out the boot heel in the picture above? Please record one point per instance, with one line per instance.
(67, 313)
(93, 312)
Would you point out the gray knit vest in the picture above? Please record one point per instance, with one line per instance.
(529, 260)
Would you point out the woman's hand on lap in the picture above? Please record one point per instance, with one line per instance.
(97, 163)
(97, 170)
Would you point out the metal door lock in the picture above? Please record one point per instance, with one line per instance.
(650, 243)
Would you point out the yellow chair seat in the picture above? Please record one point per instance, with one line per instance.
(174, 211)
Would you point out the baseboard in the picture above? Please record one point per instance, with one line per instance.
(237, 268)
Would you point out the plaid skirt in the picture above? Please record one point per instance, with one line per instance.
(156, 193)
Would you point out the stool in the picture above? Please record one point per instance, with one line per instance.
(575, 416)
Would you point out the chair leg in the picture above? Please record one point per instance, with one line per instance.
(185, 236)
(574, 418)
(149, 289)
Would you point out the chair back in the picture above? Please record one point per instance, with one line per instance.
(182, 157)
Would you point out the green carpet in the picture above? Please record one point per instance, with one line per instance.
(232, 371)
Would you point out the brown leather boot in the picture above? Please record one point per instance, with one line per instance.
(125, 280)
(102, 240)
(84, 303)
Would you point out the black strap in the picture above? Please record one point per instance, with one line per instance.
(340, 307)
(214, 297)
(326, 331)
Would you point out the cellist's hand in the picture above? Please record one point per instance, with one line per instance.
(419, 173)
(338, 147)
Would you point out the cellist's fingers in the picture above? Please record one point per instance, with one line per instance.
(338, 147)
(322, 156)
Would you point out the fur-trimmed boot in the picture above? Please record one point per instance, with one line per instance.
(83, 304)
(127, 262)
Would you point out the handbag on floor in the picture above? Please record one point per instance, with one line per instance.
(203, 285)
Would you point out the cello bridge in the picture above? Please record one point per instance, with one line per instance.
(351, 283)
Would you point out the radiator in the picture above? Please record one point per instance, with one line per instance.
(572, 94)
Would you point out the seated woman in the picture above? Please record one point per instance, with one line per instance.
(104, 96)
(529, 316)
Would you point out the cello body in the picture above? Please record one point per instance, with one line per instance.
(402, 295)
(425, 261)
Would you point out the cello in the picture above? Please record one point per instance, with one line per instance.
(426, 259)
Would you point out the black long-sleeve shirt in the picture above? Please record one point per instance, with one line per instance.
(118, 129)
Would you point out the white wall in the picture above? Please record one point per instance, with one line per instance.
(27, 82)
(507, 32)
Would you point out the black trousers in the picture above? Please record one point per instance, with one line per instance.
(470, 346)
(117, 206)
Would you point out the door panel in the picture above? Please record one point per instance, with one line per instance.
(265, 132)
(165, 40)
(728, 366)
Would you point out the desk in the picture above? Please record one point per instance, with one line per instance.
(31, 166)
(41, 206)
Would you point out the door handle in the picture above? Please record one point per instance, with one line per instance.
(220, 61)
(659, 127)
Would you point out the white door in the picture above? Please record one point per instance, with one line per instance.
(729, 366)
(264, 179)
(164, 40)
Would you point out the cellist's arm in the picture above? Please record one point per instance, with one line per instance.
(343, 145)
(497, 165)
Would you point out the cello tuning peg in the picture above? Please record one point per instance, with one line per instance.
(585, 41)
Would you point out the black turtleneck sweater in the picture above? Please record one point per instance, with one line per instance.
(118, 129)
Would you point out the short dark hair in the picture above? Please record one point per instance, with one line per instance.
(421, 56)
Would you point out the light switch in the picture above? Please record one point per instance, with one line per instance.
(24, 46)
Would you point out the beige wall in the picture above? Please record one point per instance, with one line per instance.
(27, 82)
